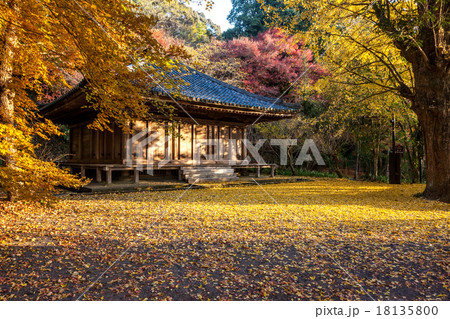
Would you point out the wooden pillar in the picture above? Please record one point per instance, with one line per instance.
(244, 149)
(108, 175)
(97, 145)
(272, 171)
(83, 171)
(179, 143)
(80, 143)
(208, 136)
(71, 144)
(91, 144)
(98, 177)
(136, 176)
(125, 146)
(167, 151)
(145, 151)
(192, 140)
(174, 146)
(258, 171)
(113, 154)
(105, 149)
(219, 149)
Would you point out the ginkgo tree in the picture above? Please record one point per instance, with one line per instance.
(41, 41)
(399, 46)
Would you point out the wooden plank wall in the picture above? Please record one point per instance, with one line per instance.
(89, 146)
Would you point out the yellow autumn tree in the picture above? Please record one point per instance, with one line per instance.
(397, 46)
(41, 41)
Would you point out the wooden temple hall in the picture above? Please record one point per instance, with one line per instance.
(221, 112)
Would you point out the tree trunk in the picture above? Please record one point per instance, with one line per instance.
(335, 166)
(409, 154)
(433, 111)
(6, 94)
(357, 159)
(291, 164)
(376, 154)
(435, 127)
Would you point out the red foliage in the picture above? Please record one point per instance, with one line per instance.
(166, 40)
(273, 61)
(51, 93)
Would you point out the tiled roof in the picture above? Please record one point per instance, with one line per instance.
(192, 85)
(187, 84)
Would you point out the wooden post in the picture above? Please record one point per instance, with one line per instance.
(108, 176)
(71, 144)
(208, 136)
(125, 150)
(80, 142)
(219, 149)
(105, 150)
(97, 145)
(258, 171)
(145, 151)
(192, 140)
(272, 171)
(180, 174)
(113, 146)
(91, 144)
(83, 171)
(244, 149)
(136, 176)
(179, 143)
(98, 176)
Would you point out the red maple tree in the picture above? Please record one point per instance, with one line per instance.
(275, 63)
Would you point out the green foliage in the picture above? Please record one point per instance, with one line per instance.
(216, 61)
(251, 17)
(393, 46)
(180, 21)
(305, 172)
(53, 149)
(312, 108)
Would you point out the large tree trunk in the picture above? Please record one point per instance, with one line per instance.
(432, 108)
(435, 127)
(430, 62)
(6, 94)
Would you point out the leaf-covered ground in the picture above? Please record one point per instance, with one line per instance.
(318, 240)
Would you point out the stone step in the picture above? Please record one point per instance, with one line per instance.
(218, 172)
(209, 175)
(212, 180)
(208, 169)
